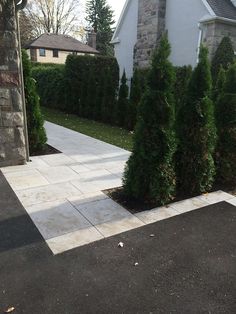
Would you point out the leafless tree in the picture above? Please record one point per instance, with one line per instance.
(53, 16)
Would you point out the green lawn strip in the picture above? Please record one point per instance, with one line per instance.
(107, 133)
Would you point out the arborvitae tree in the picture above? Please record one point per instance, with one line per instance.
(108, 102)
(183, 75)
(36, 132)
(219, 86)
(123, 101)
(196, 169)
(224, 56)
(134, 101)
(99, 96)
(149, 174)
(91, 93)
(100, 18)
(226, 126)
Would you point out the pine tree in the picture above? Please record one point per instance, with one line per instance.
(123, 101)
(196, 169)
(100, 18)
(224, 56)
(219, 86)
(226, 126)
(36, 132)
(149, 174)
(134, 101)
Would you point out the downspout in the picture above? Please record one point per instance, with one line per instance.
(20, 6)
(199, 40)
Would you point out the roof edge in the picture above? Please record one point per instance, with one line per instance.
(209, 8)
(218, 18)
(121, 18)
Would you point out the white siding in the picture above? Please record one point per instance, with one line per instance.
(182, 18)
(127, 35)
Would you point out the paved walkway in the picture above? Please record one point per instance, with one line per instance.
(63, 195)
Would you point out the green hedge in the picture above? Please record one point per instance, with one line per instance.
(87, 86)
(81, 86)
(50, 84)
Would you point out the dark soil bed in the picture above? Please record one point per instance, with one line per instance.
(47, 150)
(135, 206)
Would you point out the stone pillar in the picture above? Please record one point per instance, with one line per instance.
(214, 31)
(12, 136)
(151, 25)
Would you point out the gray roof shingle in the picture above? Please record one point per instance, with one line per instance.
(223, 8)
(60, 42)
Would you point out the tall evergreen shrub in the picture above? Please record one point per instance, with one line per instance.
(196, 169)
(136, 92)
(123, 102)
(226, 125)
(224, 56)
(149, 174)
(36, 132)
(108, 106)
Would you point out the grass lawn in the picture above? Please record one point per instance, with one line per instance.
(109, 134)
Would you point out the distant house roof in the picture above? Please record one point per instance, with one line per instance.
(223, 8)
(61, 42)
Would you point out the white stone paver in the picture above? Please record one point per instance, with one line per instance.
(74, 239)
(102, 211)
(58, 174)
(232, 201)
(215, 197)
(22, 180)
(56, 218)
(157, 214)
(189, 205)
(63, 195)
(49, 193)
(115, 227)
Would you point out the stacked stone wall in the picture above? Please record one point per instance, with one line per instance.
(151, 25)
(213, 33)
(12, 137)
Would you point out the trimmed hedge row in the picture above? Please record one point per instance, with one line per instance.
(85, 85)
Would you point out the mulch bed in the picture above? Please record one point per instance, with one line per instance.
(135, 206)
(47, 150)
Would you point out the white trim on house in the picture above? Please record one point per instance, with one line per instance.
(115, 38)
(209, 9)
(217, 18)
(199, 41)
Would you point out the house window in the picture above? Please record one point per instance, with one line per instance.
(42, 52)
(55, 53)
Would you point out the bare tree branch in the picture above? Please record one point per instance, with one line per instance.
(53, 16)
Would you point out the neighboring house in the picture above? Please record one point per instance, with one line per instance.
(53, 48)
(188, 23)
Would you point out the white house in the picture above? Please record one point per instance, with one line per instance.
(188, 23)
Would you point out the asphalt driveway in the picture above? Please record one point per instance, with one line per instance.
(186, 264)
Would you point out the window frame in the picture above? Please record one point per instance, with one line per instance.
(55, 55)
(42, 52)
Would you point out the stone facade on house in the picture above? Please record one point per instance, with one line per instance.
(151, 25)
(214, 31)
(12, 135)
